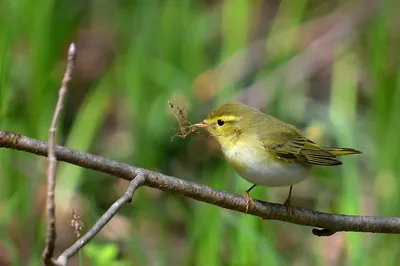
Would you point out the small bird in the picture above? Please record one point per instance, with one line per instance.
(264, 150)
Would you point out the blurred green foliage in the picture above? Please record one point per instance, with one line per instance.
(134, 56)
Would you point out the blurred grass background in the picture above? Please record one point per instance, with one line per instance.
(330, 67)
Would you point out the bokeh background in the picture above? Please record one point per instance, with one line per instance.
(329, 67)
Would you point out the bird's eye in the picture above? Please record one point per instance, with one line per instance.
(220, 122)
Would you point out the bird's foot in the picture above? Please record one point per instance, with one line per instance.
(249, 201)
(289, 207)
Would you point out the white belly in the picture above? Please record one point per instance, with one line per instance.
(265, 171)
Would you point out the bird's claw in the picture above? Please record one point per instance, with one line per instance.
(249, 201)
(289, 207)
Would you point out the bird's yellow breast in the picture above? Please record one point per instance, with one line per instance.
(257, 165)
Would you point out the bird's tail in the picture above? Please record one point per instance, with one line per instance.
(341, 151)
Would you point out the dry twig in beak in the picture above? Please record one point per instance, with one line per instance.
(181, 115)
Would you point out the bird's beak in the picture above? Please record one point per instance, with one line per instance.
(200, 125)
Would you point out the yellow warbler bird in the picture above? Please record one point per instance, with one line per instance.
(264, 150)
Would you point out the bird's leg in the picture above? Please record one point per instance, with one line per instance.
(288, 203)
(249, 200)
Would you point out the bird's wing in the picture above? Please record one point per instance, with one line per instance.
(293, 147)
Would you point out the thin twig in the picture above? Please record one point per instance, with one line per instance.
(51, 170)
(265, 210)
(180, 114)
(137, 181)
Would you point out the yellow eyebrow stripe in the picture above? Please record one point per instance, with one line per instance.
(229, 118)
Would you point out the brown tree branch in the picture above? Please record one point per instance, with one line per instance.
(272, 211)
(136, 182)
(51, 170)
